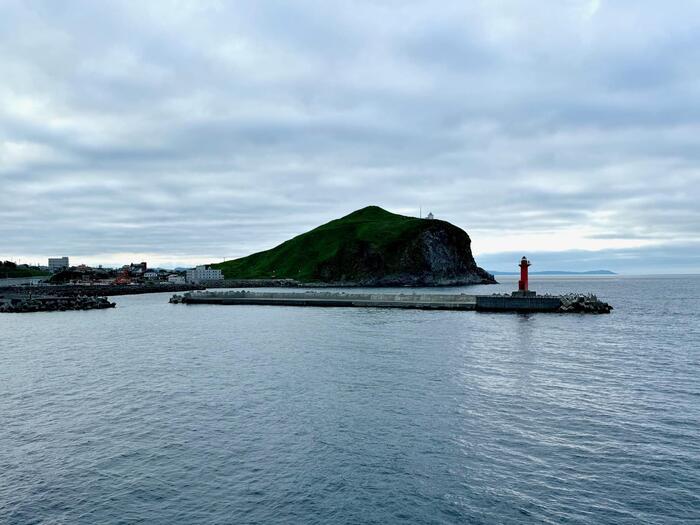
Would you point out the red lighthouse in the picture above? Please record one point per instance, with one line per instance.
(522, 284)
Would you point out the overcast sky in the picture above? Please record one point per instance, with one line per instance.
(182, 132)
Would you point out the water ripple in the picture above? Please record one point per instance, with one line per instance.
(158, 413)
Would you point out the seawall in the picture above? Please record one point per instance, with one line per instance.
(481, 303)
(333, 299)
(501, 303)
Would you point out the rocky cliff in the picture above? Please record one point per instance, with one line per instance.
(369, 247)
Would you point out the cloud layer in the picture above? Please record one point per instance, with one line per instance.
(188, 131)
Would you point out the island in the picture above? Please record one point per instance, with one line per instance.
(369, 247)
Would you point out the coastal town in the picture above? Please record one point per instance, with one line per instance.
(59, 271)
(60, 286)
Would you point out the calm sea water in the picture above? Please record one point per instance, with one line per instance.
(162, 414)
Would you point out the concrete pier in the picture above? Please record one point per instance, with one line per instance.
(331, 299)
(484, 303)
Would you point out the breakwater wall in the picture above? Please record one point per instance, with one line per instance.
(480, 303)
(28, 304)
(330, 299)
(507, 303)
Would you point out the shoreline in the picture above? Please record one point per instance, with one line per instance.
(95, 290)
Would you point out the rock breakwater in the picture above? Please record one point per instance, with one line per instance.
(583, 304)
(54, 304)
(74, 290)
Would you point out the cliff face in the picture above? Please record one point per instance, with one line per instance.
(437, 253)
(370, 247)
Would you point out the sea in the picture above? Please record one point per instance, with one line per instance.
(157, 413)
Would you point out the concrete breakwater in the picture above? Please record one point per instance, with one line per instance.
(485, 303)
(329, 299)
(53, 304)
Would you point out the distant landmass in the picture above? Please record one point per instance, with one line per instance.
(559, 272)
(369, 247)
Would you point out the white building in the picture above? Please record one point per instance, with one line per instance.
(150, 275)
(202, 273)
(176, 279)
(56, 264)
(431, 216)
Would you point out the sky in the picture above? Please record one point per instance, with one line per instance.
(182, 132)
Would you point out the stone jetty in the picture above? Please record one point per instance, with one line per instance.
(422, 301)
(27, 304)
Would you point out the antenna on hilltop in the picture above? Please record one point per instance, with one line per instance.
(420, 212)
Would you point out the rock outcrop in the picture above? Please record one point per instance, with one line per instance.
(369, 247)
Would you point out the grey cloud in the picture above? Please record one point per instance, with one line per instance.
(196, 128)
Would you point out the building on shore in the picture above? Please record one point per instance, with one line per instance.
(202, 274)
(176, 279)
(56, 264)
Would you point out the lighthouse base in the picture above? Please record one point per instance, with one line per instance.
(523, 293)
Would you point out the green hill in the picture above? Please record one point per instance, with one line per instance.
(10, 270)
(369, 247)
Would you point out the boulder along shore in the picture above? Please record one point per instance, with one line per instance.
(53, 304)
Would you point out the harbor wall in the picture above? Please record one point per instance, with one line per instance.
(331, 299)
(496, 303)
(425, 301)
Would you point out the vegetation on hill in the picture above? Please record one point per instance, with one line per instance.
(9, 270)
(370, 246)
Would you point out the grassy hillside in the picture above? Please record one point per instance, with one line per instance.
(10, 270)
(368, 243)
